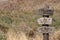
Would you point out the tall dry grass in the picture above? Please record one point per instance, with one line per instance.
(13, 35)
(55, 35)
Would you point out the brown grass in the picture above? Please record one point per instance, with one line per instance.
(12, 35)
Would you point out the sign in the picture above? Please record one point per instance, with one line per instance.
(45, 29)
(44, 20)
(46, 11)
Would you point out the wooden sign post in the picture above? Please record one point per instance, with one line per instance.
(45, 21)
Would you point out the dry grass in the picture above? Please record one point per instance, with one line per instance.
(55, 35)
(13, 35)
(17, 15)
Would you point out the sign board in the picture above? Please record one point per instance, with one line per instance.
(45, 29)
(45, 11)
(48, 12)
(44, 20)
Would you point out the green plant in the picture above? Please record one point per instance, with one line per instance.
(6, 19)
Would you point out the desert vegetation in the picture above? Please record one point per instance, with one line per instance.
(18, 19)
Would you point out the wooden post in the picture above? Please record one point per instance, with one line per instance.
(45, 36)
(45, 29)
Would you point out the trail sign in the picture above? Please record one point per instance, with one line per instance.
(44, 20)
(46, 11)
(45, 29)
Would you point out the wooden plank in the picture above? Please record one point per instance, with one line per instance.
(45, 29)
(44, 20)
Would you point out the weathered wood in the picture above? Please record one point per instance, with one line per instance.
(45, 36)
